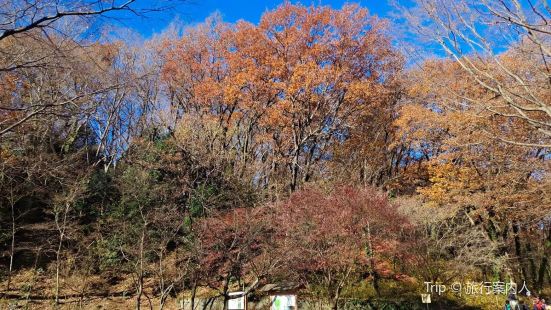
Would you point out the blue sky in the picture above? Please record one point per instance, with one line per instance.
(232, 10)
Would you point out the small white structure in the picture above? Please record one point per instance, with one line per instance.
(425, 298)
(283, 296)
(283, 302)
(237, 303)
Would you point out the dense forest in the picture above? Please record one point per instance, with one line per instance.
(352, 157)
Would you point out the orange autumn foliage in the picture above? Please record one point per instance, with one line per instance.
(284, 90)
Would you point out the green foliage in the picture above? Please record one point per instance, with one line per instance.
(108, 253)
(201, 198)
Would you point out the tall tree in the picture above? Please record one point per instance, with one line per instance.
(504, 47)
(281, 93)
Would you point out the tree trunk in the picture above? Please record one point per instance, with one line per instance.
(294, 172)
(209, 301)
(226, 297)
(140, 272)
(12, 245)
(336, 298)
(193, 292)
(372, 262)
(61, 230)
(541, 272)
